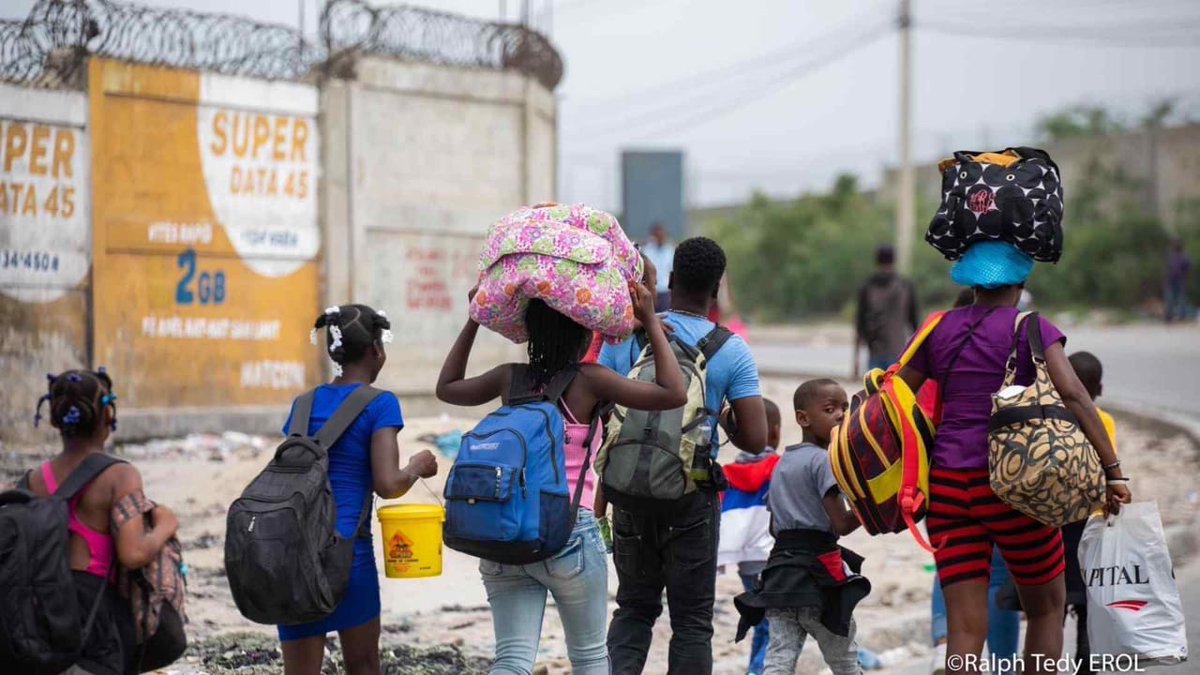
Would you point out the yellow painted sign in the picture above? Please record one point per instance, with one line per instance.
(205, 235)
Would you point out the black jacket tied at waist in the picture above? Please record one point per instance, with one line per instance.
(806, 570)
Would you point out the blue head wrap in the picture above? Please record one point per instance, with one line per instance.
(992, 264)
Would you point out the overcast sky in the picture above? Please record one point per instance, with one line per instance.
(781, 95)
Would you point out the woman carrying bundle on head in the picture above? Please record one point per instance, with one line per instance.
(576, 574)
(1000, 212)
(364, 459)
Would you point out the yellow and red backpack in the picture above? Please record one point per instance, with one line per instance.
(880, 453)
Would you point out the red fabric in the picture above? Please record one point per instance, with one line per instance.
(969, 518)
(927, 399)
(750, 476)
(833, 564)
(593, 352)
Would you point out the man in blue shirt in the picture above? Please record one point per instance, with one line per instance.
(676, 549)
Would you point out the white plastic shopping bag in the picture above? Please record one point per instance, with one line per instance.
(1133, 603)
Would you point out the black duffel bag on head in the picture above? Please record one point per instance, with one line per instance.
(1014, 195)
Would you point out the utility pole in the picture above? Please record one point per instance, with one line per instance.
(525, 13)
(905, 206)
(503, 11)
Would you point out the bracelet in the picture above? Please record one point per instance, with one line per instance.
(1118, 481)
(1110, 467)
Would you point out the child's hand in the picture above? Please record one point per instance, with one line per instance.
(164, 519)
(423, 464)
(643, 301)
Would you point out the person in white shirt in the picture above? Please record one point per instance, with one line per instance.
(661, 252)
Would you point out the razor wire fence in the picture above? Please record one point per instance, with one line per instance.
(50, 46)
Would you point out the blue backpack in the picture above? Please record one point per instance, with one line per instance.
(506, 495)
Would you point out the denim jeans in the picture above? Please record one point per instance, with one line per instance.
(758, 646)
(790, 628)
(1004, 626)
(577, 577)
(673, 549)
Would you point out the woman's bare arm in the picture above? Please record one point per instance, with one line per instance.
(455, 388)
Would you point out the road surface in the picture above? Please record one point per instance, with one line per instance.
(1146, 366)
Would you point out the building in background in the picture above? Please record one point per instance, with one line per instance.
(652, 192)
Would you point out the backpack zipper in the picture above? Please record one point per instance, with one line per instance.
(524, 451)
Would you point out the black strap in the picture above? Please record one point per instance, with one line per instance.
(301, 414)
(1025, 413)
(710, 344)
(1033, 333)
(959, 350)
(91, 620)
(600, 411)
(92, 465)
(640, 340)
(346, 413)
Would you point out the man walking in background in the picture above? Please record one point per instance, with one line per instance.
(1175, 295)
(661, 252)
(887, 313)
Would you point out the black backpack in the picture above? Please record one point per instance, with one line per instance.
(284, 559)
(42, 627)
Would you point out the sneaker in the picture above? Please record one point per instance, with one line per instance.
(938, 667)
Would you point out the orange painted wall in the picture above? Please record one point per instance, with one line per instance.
(193, 303)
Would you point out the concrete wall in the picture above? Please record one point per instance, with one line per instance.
(45, 246)
(205, 223)
(419, 160)
(227, 211)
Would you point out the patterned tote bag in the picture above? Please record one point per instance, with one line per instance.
(1039, 460)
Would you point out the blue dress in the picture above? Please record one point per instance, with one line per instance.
(350, 478)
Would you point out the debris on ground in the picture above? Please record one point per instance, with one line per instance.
(214, 447)
(259, 654)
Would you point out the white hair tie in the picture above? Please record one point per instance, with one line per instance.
(332, 310)
(336, 333)
(386, 336)
(337, 369)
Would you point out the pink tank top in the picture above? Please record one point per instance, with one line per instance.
(100, 544)
(573, 456)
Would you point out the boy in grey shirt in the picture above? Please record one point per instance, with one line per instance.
(808, 514)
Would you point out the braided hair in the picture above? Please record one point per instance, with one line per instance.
(77, 401)
(556, 342)
(353, 329)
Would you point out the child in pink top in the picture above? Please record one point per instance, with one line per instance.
(82, 408)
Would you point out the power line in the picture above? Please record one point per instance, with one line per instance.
(675, 116)
(772, 59)
(1061, 34)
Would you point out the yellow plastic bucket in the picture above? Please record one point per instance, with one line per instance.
(412, 540)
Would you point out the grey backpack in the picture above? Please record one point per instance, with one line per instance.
(653, 457)
(284, 559)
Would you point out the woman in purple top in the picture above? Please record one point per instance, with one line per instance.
(967, 354)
